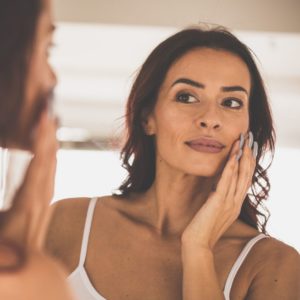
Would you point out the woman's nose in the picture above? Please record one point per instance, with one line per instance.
(210, 118)
(209, 124)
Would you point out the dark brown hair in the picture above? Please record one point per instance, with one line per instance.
(138, 153)
(18, 21)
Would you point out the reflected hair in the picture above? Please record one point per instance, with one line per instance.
(138, 153)
(18, 23)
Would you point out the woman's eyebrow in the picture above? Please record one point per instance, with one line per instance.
(234, 88)
(190, 82)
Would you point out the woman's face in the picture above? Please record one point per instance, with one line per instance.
(201, 110)
(41, 79)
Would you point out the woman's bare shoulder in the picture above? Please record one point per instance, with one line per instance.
(74, 204)
(276, 271)
(66, 227)
(67, 217)
(271, 248)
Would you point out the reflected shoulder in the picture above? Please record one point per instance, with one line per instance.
(38, 275)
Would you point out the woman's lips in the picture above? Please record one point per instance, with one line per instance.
(206, 145)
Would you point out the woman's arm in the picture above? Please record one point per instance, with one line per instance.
(24, 225)
(31, 274)
(216, 215)
(199, 276)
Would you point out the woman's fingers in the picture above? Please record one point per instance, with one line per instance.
(233, 184)
(246, 169)
(27, 218)
(37, 181)
(237, 174)
(45, 149)
(224, 182)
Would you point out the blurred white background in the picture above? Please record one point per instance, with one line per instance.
(101, 44)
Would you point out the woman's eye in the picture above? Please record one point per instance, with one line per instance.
(233, 103)
(186, 98)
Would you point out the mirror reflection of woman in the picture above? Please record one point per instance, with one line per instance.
(186, 223)
(26, 84)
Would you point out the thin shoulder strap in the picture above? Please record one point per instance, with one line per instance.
(87, 229)
(239, 262)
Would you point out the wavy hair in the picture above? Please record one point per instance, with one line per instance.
(138, 152)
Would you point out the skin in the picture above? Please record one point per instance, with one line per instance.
(179, 239)
(188, 173)
(26, 222)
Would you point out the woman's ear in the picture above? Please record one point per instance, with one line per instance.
(149, 124)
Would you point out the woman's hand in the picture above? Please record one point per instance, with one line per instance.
(224, 204)
(26, 222)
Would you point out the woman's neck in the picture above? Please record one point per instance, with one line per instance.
(174, 199)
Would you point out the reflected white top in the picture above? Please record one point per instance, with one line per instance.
(83, 288)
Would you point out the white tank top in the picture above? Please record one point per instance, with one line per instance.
(83, 288)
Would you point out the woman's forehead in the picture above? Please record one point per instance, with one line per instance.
(207, 65)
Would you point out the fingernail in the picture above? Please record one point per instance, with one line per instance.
(242, 140)
(239, 155)
(255, 149)
(250, 139)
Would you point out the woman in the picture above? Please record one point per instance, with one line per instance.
(184, 221)
(26, 82)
